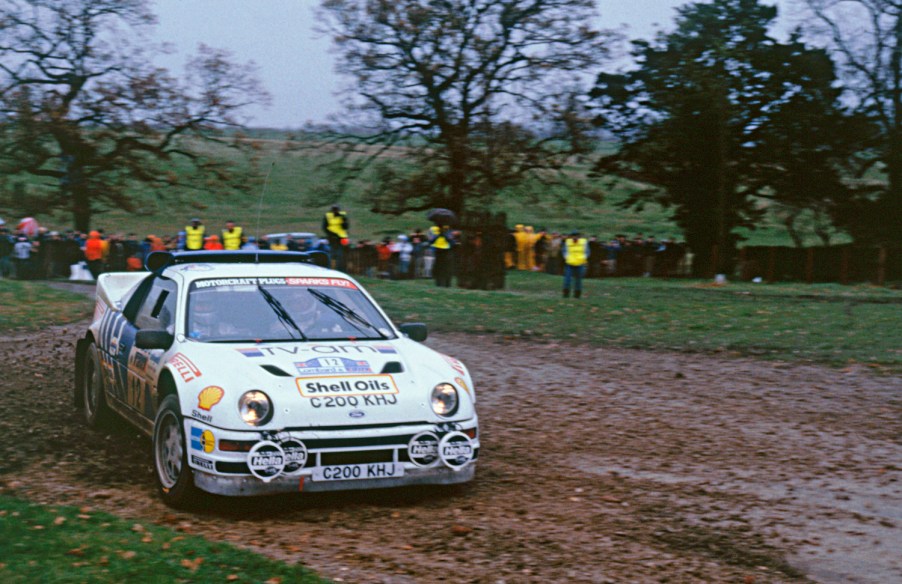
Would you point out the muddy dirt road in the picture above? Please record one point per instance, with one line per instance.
(598, 465)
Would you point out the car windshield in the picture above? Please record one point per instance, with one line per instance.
(222, 310)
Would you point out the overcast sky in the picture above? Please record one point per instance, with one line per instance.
(295, 63)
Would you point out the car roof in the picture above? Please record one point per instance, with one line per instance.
(192, 266)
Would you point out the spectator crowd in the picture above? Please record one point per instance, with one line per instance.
(422, 253)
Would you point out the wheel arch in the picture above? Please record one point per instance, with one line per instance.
(166, 386)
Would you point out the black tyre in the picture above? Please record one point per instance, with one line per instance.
(97, 413)
(175, 479)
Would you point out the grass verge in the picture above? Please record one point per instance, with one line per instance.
(66, 544)
(26, 306)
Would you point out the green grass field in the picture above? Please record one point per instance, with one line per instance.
(829, 324)
(33, 305)
(66, 544)
(299, 191)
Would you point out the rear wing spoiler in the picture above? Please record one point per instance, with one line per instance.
(159, 260)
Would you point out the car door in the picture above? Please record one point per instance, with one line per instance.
(155, 312)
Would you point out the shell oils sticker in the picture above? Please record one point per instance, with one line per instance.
(360, 385)
(202, 440)
(459, 381)
(209, 397)
(185, 367)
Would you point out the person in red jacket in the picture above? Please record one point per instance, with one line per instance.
(213, 243)
(94, 253)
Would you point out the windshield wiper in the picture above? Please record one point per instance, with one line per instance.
(346, 312)
(281, 313)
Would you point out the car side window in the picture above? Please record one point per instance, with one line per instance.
(158, 309)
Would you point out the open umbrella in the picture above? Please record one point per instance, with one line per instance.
(441, 216)
(29, 226)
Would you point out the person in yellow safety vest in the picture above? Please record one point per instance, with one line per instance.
(576, 257)
(441, 240)
(520, 237)
(336, 225)
(194, 235)
(231, 236)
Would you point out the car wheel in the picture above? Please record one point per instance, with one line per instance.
(97, 413)
(175, 479)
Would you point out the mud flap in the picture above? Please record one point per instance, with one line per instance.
(80, 347)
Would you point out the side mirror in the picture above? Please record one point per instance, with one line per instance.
(415, 330)
(153, 339)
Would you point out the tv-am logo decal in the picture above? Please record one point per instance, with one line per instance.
(185, 367)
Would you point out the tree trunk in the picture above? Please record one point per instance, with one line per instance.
(81, 207)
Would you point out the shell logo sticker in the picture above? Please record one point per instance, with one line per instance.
(209, 397)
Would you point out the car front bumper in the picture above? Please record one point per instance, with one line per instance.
(227, 462)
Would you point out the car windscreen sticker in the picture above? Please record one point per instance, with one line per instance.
(315, 387)
(332, 365)
(309, 282)
(321, 283)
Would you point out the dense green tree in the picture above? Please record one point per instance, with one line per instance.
(83, 108)
(480, 93)
(718, 115)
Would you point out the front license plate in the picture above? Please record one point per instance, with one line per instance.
(351, 472)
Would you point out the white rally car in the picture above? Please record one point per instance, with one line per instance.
(263, 372)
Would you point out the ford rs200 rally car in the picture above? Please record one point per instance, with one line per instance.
(263, 372)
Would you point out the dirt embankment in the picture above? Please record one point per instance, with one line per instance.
(598, 465)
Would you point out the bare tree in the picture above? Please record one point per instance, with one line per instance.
(481, 93)
(82, 106)
(867, 38)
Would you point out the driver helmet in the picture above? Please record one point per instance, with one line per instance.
(304, 308)
(203, 315)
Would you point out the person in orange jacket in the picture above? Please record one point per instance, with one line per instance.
(212, 243)
(94, 248)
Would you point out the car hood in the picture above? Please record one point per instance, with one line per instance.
(319, 384)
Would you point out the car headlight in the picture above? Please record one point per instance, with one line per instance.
(444, 399)
(255, 407)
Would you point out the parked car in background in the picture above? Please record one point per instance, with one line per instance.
(305, 240)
